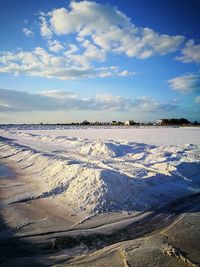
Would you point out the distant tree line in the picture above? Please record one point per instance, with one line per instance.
(175, 121)
(179, 121)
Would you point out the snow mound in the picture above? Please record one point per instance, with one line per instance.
(98, 176)
(99, 149)
(99, 190)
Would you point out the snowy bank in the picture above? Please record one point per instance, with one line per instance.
(95, 176)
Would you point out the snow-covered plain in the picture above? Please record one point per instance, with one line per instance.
(95, 170)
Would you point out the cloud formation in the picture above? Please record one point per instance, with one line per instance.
(55, 46)
(186, 84)
(17, 101)
(11, 100)
(45, 31)
(95, 31)
(147, 104)
(43, 64)
(190, 53)
(109, 29)
(28, 32)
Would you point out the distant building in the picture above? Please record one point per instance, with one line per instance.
(159, 122)
(131, 122)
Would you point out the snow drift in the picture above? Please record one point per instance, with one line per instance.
(101, 175)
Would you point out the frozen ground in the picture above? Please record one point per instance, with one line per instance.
(97, 170)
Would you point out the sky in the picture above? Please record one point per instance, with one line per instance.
(103, 60)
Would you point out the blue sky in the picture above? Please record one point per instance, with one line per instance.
(63, 61)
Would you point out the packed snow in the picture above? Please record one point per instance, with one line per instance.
(99, 170)
(143, 134)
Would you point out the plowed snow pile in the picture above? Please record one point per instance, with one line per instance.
(101, 175)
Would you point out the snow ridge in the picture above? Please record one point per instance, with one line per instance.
(98, 175)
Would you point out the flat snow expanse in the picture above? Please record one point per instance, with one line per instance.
(95, 170)
(147, 135)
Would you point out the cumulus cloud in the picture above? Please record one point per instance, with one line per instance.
(71, 49)
(186, 84)
(91, 54)
(110, 29)
(43, 64)
(28, 32)
(86, 17)
(137, 42)
(55, 46)
(45, 30)
(18, 101)
(190, 53)
(94, 30)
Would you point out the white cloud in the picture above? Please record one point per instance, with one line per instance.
(110, 29)
(148, 104)
(97, 29)
(59, 94)
(71, 49)
(140, 43)
(197, 100)
(28, 32)
(45, 30)
(92, 53)
(190, 53)
(113, 102)
(186, 84)
(40, 63)
(55, 46)
(127, 73)
(17, 101)
(11, 100)
(86, 17)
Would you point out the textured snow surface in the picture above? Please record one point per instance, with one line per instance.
(153, 135)
(101, 174)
